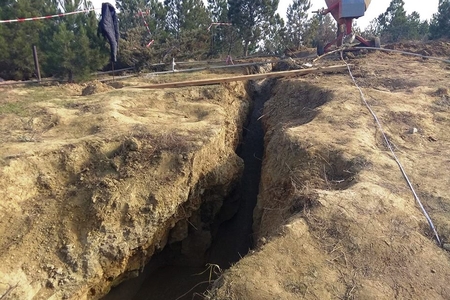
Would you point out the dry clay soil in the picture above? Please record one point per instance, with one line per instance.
(335, 218)
(91, 186)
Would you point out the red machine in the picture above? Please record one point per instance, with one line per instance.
(344, 12)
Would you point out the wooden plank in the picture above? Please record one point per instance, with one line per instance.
(200, 82)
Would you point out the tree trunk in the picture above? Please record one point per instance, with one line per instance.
(246, 47)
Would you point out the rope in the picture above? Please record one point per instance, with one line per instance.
(146, 26)
(406, 53)
(48, 17)
(344, 47)
(430, 222)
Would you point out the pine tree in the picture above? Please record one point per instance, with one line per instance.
(174, 17)
(274, 37)
(72, 47)
(187, 21)
(4, 55)
(16, 57)
(129, 13)
(395, 24)
(297, 22)
(67, 46)
(195, 37)
(250, 17)
(224, 39)
(440, 24)
(135, 39)
(319, 30)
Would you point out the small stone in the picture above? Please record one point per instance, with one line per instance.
(50, 283)
(132, 144)
(446, 246)
(433, 271)
(413, 130)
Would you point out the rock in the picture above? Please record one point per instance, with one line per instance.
(285, 65)
(412, 130)
(446, 246)
(179, 232)
(131, 144)
(51, 283)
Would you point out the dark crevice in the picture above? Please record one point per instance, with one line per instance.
(174, 271)
(234, 237)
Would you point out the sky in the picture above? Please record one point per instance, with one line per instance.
(426, 9)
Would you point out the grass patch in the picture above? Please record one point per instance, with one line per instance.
(17, 108)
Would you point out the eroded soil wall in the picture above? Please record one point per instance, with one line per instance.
(335, 218)
(81, 215)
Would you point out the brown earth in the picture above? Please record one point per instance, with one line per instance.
(91, 186)
(335, 218)
(94, 185)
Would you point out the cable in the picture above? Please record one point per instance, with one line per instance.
(48, 17)
(430, 222)
(406, 53)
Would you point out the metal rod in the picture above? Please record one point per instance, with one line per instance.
(112, 67)
(36, 63)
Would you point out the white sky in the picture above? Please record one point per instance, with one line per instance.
(426, 9)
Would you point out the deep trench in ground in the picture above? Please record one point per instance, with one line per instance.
(166, 277)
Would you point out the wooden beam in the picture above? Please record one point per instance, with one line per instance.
(200, 82)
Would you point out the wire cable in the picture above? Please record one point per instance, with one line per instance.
(406, 53)
(416, 197)
(49, 17)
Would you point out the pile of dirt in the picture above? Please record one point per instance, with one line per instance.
(286, 65)
(439, 48)
(95, 87)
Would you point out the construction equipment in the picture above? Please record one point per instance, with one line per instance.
(344, 12)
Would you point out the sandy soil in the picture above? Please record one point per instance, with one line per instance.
(335, 218)
(94, 180)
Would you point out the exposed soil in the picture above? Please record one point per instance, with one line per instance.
(335, 218)
(93, 186)
(96, 186)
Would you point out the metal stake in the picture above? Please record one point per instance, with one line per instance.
(36, 64)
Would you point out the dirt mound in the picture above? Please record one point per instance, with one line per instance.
(300, 53)
(117, 84)
(95, 87)
(439, 48)
(286, 65)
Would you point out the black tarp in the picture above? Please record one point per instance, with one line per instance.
(109, 28)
